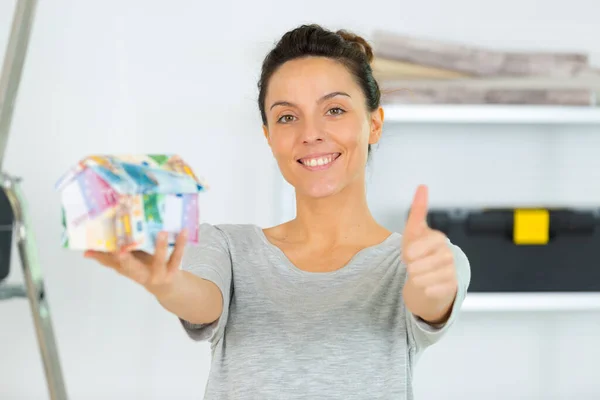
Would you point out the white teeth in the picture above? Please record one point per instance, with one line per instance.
(313, 162)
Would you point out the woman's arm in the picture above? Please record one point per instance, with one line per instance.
(191, 298)
(196, 293)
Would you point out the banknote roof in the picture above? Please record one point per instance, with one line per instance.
(133, 174)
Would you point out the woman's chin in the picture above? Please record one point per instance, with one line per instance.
(321, 190)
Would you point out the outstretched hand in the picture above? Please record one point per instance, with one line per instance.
(431, 283)
(154, 272)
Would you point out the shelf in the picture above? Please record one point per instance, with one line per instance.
(490, 114)
(478, 302)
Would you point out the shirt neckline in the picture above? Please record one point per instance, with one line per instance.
(347, 268)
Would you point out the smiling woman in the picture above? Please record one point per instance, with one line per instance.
(317, 112)
(330, 304)
(320, 109)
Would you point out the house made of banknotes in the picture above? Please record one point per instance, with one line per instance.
(115, 201)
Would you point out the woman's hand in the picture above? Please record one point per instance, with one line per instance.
(154, 272)
(431, 283)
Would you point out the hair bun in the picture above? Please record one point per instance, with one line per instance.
(358, 42)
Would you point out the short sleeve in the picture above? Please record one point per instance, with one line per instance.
(423, 334)
(210, 259)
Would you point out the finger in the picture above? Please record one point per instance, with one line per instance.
(430, 263)
(416, 222)
(125, 259)
(160, 253)
(127, 247)
(106, 259)
(143, 257)
(177, 255)
(434, 278)
(131, 267)
(441, 291)
(432, 242)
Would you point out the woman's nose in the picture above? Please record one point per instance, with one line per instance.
(312, 133)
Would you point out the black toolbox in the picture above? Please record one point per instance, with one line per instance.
(526, 250)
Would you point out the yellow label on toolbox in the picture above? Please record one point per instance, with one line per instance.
(531, 226)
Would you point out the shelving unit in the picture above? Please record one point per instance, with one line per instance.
(487, 115)
(506, 115)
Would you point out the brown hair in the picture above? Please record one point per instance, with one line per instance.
(313, 40)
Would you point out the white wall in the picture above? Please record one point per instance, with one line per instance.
(151, 76)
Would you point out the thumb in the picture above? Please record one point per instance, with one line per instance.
(416, 223)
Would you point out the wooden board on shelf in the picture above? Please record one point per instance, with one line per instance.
(531, 302)
(490, 114)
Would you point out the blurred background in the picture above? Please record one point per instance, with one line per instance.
(180, 77)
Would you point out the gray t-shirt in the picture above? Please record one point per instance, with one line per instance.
(289, 334)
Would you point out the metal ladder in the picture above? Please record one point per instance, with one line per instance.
(15, 204)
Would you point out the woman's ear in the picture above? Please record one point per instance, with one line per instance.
(266, 133)
(377, 117)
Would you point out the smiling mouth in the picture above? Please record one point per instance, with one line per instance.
(320, 162)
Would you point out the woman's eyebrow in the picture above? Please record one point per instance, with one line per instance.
(322, 99)
(331, 95)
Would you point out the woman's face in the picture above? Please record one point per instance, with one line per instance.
(318, 125)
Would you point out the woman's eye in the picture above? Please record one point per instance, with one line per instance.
(285, 119)
(336, 111)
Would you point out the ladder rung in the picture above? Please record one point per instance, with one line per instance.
(11, 291)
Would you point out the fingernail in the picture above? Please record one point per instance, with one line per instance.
(162, 236)
(184, 234)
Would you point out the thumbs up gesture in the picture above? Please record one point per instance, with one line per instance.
(431, 283)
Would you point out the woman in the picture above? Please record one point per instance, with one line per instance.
(330, 304)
